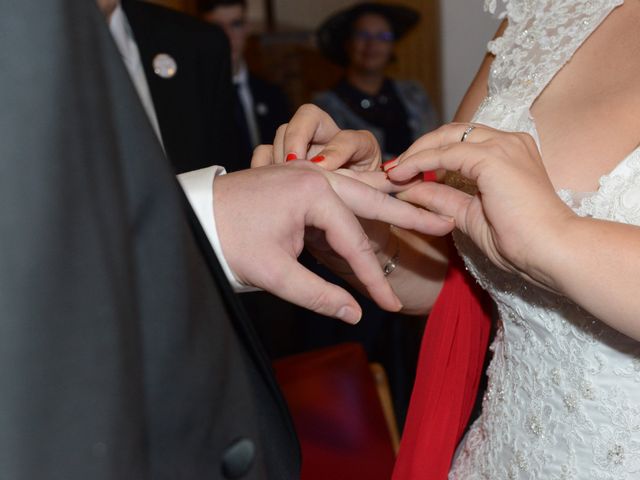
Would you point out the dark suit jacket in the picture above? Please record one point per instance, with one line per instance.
(123, 354)
(195, 106)
(271, 109)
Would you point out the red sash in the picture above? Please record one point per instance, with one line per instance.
(449, 371)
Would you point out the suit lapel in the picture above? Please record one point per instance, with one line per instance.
(153, 43)
(238, 314)
(260, 116)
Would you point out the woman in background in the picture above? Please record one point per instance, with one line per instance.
(361, 39)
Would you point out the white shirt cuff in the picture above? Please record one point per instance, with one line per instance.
(198, 187)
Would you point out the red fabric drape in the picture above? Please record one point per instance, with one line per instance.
(337, 413)
(449, 371)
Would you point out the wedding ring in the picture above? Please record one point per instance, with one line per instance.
(467, 132)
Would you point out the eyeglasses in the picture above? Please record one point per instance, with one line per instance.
(380, 36)
(238, 24)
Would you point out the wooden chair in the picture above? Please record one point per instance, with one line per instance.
(384, 394)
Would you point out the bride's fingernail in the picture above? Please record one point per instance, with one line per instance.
(317, 158)
(348, 314)
(291, 156)
(386, 166)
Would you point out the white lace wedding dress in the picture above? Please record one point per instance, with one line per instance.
(563, 400)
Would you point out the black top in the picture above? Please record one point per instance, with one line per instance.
(384, 110)
(270, 108)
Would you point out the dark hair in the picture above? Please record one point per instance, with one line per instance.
(205, 6)
(338, 28)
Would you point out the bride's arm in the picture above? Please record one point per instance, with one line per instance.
(596, 263)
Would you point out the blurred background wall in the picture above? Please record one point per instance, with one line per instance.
(465, 31)
(443, 53)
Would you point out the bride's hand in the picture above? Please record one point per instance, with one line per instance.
(313, 135)
(515, 214)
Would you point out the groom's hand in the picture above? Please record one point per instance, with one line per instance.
(261, 216)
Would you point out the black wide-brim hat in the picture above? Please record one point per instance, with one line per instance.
(335, 31)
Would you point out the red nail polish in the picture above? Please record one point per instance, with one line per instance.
(291, 156)
(317, 158)
(386, 167)
(384, 164)
(430, 176)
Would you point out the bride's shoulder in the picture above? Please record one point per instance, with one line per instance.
(521, 10)
(512, 9)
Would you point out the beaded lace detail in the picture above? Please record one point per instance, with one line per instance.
(563, 400)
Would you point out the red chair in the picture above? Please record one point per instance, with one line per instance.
(338, 414)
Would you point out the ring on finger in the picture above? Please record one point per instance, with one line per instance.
(467, 132)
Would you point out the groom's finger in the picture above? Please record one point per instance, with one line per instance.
(440, 199)
(369, 203)
(300, 286)
(344, 234)
(379, 180)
